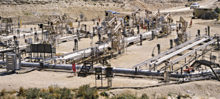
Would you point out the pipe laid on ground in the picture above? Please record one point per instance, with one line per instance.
(116, 70)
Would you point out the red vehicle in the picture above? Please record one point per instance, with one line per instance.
(190, 69)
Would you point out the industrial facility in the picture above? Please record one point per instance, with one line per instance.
(111, 50)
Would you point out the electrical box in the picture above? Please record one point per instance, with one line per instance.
(98, 70)
(109, 72)
(29, 40)
(28, 49)
(11, 62)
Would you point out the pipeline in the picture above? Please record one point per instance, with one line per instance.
(145, 35)
(82, 53)
(101, 48)
(117, 70)
(20, 35)
(191, 52)
(177, 52)
(164, 53)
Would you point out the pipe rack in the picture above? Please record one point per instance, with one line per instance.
(111, 21)
(67, 38)
(160, 60)
(21, 47)
(120, 70)
(82, 53)
(20, 35)
(191, 52)
(87, 51)
(164, 53)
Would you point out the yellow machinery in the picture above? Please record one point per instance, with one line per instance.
(168, 18)
(182, 30)
(166, 25)
(117, 43)
(134, 17)
(8, 24)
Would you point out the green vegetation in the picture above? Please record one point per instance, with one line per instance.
(169, 94)
(125, 96)
(105, 94)
(21, 92)
(27, 14)
(3, 92)
(163, 97)
(87, 93)
(130, 96)
(12, 92)
(144, 96)
(34, 93)
(83, 92)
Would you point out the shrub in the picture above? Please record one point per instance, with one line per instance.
(57, 93)
(43, 90)
(51, 89)
(125, 96)
(144, 96)
(12, 92)
(20, 97)
(82, 90)
(169, 94)
(87, 93)
(21, 92)
(44, 94)
(104, 94)
(74, 90)
(185, 96)
(47, 95)
(9, 97)
(3, 92)
(162, 97)
(66, 93)
(33, 93)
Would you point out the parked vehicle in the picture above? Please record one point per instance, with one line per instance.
(194, 5)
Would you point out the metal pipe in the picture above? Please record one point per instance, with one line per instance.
(20, 35)
(208, 30)
(178, 51)
(198, 32)
(191, 52)
(164, 53)
(115, 70)
(171, 43)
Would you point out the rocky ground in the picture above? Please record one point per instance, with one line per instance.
(40, 12)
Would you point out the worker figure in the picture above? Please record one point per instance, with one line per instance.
(74, 68)
(126, 19)
(190, 25)
(177, 31)
(99, 19)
